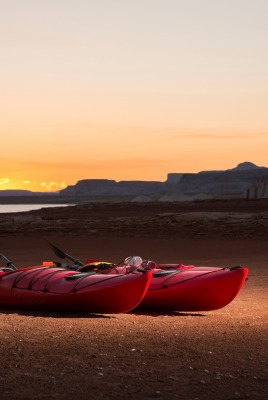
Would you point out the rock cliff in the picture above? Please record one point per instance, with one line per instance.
(105, 187)
(258, 189)
(232, 183)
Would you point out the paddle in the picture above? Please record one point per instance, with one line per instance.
(61, 254)
(9, 263)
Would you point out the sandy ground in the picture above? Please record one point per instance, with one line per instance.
(219, 354)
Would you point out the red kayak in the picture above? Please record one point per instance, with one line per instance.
(192, 288)
(49, 288)
(175, 287)
(197, 289)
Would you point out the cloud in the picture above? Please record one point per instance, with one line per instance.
(224, 136)
(219, 134)
(50, 186)
(4, 180)
(214, 136)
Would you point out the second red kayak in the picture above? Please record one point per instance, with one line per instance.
(195, 289)
(192, 289)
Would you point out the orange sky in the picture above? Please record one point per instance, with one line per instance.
(124, 90)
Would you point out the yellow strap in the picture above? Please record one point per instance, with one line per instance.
(94, 265)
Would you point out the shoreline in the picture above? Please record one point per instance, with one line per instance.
(206, 219)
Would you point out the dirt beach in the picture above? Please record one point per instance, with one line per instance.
(219, 354)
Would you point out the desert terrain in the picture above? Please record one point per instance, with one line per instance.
(219, 354)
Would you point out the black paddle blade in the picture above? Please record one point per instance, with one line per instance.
(61, 254)
(57, 251)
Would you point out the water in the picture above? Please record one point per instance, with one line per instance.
(14, 208)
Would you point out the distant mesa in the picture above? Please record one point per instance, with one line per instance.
(174, 178)
(245, 166)
(10, 192)
(24, 193)
(231, 183)
(106, 187)
(246, 180)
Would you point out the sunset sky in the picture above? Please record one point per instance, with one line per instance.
(130, 89)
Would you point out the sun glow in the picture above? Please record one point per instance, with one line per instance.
(13, 184)
(4, 181)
